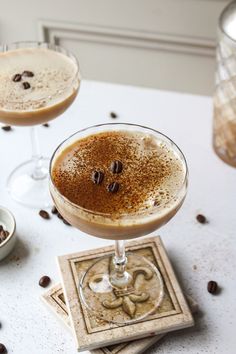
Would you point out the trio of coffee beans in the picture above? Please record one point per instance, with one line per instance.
(3, 234)
(18, 78)
(98, 176)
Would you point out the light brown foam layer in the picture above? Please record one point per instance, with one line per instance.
(152, 173)
(51, 84)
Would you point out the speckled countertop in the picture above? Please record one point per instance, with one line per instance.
(198, 252)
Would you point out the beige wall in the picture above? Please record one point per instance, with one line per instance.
(166, 44)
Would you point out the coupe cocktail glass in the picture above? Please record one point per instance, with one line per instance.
(121, 288)
(28, 183)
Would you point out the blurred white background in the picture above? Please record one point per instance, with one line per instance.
(165, 44)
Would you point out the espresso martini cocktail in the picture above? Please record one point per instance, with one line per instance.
(36, 85)
(119, 181)
(39, 81)
(123, 184)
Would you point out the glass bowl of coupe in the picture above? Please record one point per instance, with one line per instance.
(119, 181)
(39, 81)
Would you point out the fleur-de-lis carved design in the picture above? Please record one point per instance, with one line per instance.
(129, 297)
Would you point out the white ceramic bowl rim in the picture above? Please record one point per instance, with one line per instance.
(7, 211)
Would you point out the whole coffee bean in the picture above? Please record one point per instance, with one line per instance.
(2, 238)
(3, 235)
(3, 349)
(59, 216)
(54, 210)
(212, 287)
(26, 85)
(97, 177)
(113, 115)
(113, 187)
(116, 166)
(6, 128)
(27, 73)
(44, 281)
(66, 222)
(46, 125)
(44, 214)
(16, 78)
(201, 218)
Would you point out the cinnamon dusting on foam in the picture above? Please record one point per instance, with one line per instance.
(152, 174)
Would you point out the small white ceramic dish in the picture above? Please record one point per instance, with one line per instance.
(8, 222)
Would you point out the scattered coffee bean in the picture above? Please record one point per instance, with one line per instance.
(201, 218)
(3, 349)
(3, 235)
(54, 210)
(113, 115)
(44, 214)
(44, 281)
(66, 222)
(46, 125)
(59, 216)
(26, 85)
(6, 128)
(97, 177)
(116, 166)
(113, 187)
(16, 78)
(212, 287)
(27, 73)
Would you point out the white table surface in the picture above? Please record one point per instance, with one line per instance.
(28, 327)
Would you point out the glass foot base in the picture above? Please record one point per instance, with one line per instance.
(140, 298)
(27, 189)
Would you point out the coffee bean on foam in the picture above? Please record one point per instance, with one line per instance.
(116, 166)
(27, 73)
(16, 78)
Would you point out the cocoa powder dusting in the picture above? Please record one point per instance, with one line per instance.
(150, 172)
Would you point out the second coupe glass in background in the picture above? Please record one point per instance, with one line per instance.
(28, 182)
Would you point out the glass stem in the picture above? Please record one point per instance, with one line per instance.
(38, 172)
(119, 277)
(120, 259)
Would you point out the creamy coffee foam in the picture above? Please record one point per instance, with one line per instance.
(52, 81)
(152, 173)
